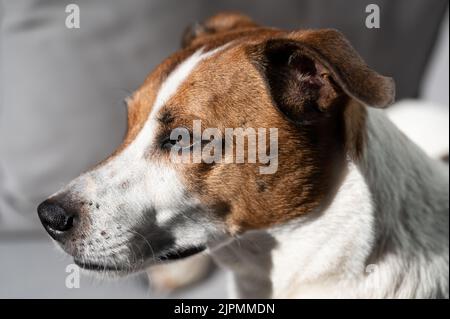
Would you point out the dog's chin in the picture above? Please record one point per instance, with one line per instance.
(118, 269)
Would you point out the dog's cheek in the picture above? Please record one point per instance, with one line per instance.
(223, 190)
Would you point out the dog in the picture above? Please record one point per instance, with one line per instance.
(354, 209)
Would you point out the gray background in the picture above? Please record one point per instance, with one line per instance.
(61, 94)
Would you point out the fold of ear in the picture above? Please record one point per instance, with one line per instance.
(222, 22)
(300, 86)
(312, 70)
(347, 67)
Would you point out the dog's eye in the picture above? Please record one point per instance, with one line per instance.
(167, 144)
(171, 143)
(180, 138)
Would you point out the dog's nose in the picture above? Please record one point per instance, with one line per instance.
(55, 218)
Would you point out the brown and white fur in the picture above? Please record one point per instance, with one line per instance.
(355, 209)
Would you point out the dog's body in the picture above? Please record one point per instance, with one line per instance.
(385, 235)
(354, 208)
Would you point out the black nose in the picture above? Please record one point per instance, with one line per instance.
(55, 218)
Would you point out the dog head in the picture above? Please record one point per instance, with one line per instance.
(304, 93)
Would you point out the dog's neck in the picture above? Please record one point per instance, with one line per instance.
(387, 221)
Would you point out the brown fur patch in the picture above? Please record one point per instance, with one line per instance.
(223, 91)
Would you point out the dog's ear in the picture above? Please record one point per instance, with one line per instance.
(313, 69)
(222, 22)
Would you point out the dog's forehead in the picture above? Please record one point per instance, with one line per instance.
(146, 103)
(142, 101)
(225, 90)
(200, 73)
(175, 82)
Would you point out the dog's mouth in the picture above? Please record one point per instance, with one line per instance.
(171, 255)
(182, 253)
(97, 266)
